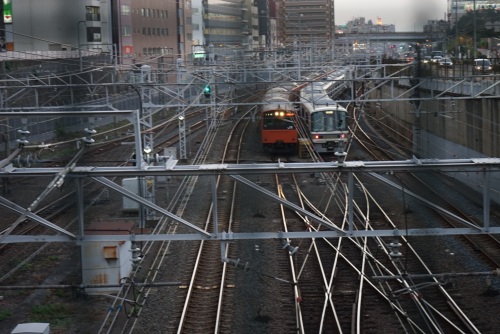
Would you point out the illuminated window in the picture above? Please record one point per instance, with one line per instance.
(125, 10)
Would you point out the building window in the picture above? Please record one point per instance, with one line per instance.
(126, 30)
(157, 31)
(144, 31)
(143, 11)
(93, 13)
(125, 10)
(149, 31)
(93, 34)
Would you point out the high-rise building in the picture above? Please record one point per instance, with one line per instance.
(135, 31)
(308, 21)
(154, 31)
(231, 23)
(57, 25)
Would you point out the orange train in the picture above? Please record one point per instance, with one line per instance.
(277, 122)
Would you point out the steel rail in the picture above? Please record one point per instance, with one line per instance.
(298, 311)
(191, 284)
(423, 306)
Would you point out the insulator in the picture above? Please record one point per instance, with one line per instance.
(136, 254)
(22, 141)
(290, 248)
(395, 246)
(88, 140)
(90, 131)
(395, 254)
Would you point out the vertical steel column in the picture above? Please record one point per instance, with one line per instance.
(180, 113)
(350, 199)
(147, 136)
(80, 207)
(214, 205)
(475, 29)
(146, 117)
(213, 95)
(486, 198)
(182, 136)
(79, 43)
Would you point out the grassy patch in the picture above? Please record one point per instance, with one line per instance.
(54, 314)
(4, 314)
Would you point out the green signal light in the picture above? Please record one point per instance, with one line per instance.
(207, 91)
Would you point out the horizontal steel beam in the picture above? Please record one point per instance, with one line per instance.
(422, 232)
(411, 165)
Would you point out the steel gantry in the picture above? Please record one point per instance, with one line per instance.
(169, 167)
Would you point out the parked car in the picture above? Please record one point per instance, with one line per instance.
(436, 59)
(482, 66)
(427, 59)
(445, 62)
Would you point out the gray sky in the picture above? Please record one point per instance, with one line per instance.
(406, 15)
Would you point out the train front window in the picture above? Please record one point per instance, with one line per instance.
(327, 121)
(278, 122)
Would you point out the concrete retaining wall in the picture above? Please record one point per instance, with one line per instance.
(447, 129)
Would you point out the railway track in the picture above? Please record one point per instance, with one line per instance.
(199, 286)
(204, 308)
(442, 312)
(333, 286)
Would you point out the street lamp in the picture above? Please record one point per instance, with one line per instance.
(79, 44)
